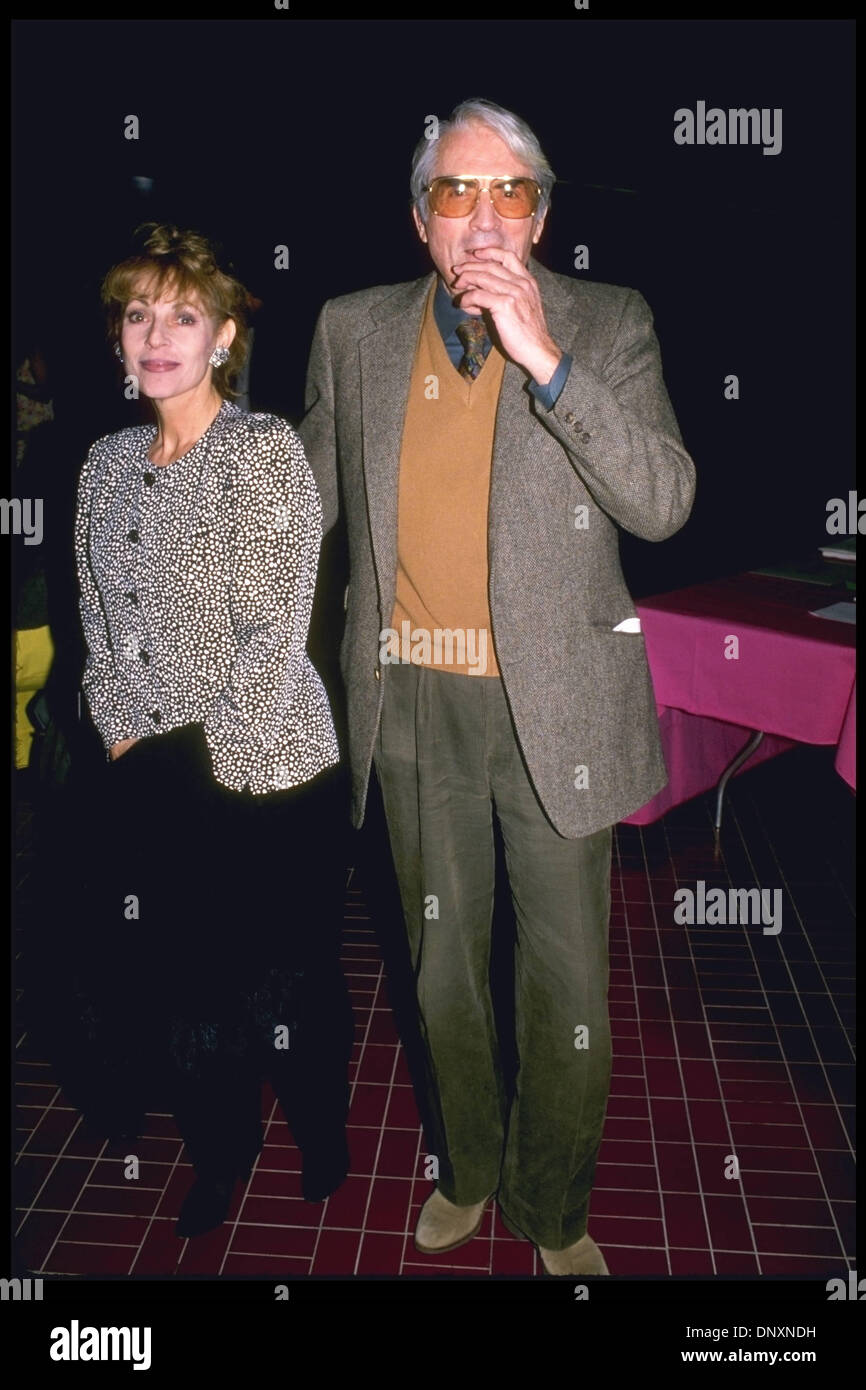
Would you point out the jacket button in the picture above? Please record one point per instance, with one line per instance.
(376, 674)
(569, 419)
(133, 597)
(585, 438)
(145, 656)
(156, 716)
(132, 536)
(150, 479)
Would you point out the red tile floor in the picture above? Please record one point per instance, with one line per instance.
(725, 1041)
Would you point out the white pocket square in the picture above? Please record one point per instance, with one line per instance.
(628, 625)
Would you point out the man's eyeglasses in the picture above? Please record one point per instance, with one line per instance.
(456, 196)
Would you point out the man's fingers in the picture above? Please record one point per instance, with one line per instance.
(494, 255)
(488, 277)
(506, 264)
(479, 299)
(481, 275)
(496, 267)
(504, 284)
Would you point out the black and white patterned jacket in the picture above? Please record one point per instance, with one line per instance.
(197, 582)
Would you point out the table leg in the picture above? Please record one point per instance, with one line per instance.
(743, 756)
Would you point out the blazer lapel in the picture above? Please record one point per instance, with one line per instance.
(516, 423)
(386, 357)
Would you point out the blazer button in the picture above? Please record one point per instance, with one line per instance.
(133, 597)
(150, 479)
(156, 716)
(132, 536)
(569, 419)
(376, 674)
(585, 438)
(145, 656)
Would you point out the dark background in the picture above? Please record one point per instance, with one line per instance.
(301, 133)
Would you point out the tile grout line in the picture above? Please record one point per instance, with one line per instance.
(645, 1078)
(381, 1126)
(711, 1041)
(785, 1060)
(677, 1058)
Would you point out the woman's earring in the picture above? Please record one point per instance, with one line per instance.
(219, 357)
(118, 351)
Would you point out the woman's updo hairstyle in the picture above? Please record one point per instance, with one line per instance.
(186, 265)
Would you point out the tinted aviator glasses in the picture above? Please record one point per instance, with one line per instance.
(456, 196)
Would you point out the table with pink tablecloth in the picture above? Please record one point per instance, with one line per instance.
(743, 654)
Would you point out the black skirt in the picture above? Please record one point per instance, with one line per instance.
(205, 931)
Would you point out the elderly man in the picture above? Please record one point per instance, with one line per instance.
(492, 425)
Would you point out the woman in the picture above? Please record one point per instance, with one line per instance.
(213, 890)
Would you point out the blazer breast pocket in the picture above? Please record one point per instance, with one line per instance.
(628, 625)
(618, 628)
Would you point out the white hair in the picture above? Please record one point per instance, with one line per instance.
(516, 134)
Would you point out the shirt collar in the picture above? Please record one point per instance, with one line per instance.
(446, 312)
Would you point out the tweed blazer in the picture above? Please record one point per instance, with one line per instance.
(608, 455)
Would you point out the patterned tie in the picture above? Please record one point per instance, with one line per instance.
(473, 335)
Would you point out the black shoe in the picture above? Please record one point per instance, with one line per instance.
(325, 1166)
(205, 1206)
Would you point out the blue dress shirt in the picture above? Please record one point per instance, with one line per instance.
(448, 315)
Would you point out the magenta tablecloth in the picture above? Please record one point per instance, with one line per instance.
(846, 753)
(793, 677)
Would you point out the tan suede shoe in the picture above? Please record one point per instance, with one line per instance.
(443, 1226)
(584, 1257)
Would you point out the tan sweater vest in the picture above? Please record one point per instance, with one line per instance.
(441, 612)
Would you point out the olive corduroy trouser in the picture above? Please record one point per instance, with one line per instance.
(446, 757)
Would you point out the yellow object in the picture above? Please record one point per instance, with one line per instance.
(34, 653)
